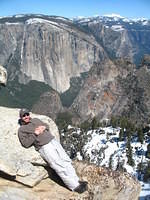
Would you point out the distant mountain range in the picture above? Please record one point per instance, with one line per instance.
(121, 37)
(83, 65)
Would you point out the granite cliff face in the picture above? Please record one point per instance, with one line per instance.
(58, 56)
(115, 88)
(102, 94)
(46, 49)
(111, 88)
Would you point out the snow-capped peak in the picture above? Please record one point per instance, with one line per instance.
(79, 17)
(107, 17)
(113, 15)
(140, 19)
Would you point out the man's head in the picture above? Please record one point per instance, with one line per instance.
(24, 115)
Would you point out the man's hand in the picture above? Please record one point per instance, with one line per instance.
(39, 130)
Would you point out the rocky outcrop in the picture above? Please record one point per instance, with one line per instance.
(141, 103)
(102, 94)
(104, 184)
(3, 75)
(46, 49)
(24, 165)
(115, 88)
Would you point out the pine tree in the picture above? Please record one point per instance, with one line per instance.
(140, 135)
(121, 135)
(148, 151)
(129, 152)
(85, 126)
(146, 176)
(120, 165)
(140, 169)
(123, 122)
(114, 121)
(94, 123)
(111, 161)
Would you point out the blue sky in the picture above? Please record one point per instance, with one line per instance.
(73, 8)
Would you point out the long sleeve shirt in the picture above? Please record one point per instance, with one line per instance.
(27, 136)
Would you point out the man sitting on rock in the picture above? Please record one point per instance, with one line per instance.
(35, 132)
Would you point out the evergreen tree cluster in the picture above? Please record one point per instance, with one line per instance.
(129, 132)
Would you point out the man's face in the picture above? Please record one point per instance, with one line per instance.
(26, 118)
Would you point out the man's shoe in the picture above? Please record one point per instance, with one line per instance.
(82, 187)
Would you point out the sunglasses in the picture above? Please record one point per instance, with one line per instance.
(25, 114)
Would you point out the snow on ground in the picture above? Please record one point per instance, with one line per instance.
(145, 23)
(117, 28)
(145, 193)
(39, 20)
(8, 23)
(114, 15)
(18, 16)
(104, 144)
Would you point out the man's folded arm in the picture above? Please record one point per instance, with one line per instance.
(26, 139)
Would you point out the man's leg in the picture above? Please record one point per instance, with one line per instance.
(57, 158)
